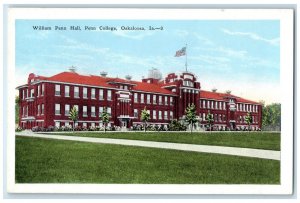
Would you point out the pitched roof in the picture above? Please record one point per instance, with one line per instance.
(223, 96)
(93, 80)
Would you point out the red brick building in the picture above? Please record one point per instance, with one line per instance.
(47, 101)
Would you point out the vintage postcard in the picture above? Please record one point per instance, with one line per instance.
(150, 101)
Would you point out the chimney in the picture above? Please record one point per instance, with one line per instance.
(128, 77)
(103, 73)
(72, 69)
(214, 89)
(228, 92)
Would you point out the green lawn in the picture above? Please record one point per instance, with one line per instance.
(56, 161)
(257, 140)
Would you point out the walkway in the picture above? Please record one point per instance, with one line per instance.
(246, 152)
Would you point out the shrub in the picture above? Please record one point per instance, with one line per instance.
(175, 125)
(18, 129)
(50, 128)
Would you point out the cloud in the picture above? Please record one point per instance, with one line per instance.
(203, 40)
(181, 33)
(254, 36)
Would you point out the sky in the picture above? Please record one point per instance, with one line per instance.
(238, 55)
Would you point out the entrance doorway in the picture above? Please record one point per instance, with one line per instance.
(124, 124)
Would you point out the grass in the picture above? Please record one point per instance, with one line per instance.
(56, 161)
(256, 140)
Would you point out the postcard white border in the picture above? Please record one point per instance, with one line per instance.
(286, 74)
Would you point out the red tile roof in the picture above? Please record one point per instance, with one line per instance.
(93, 80)
(221, 96)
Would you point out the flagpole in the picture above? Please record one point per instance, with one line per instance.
(186, 57)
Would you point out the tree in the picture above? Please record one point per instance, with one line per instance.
(17, 109)
(271, 116)
(73, 115)
(190, 115)
(249, 120)
(145, 116)
(210, 120)
(104, 117)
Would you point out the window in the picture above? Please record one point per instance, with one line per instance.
(166, 100)
(42, 112)
(224, 105)
(171, 101)
(32, 93)
(135, 113)
(93, 111)
(203, 104)
(108, 94)
(125, 87)
(23, 111)
(39, 90)
(154, 114)
(109, 110)
(142, 98)
(23, 94)
(216, 105)
(160, 100)
(100, 110)
(237, 107)
(212, 104)
(67, 109)
(67, 91)
(76, 107)
(166, 115)
(148, 99)
(159, 114)
(57, 90)
(43, 89)
(85, 92)
(171, 115)
(57, 109)
(188, 83)
(101, 94)
(220, 105)
(93, 93)
(26, 111)
(67, 123)
(38, 109)
(204, 116)
(208, 104)
(76, 92)
(93, 125)
(154, 99)
(84, 125)
(135, 97)
(57, 124)
(84, 111)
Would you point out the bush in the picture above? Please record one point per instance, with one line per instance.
(18, 129)
(175, 125)
(50, 128)
(35, 129)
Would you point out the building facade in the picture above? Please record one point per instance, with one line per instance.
(47, 101)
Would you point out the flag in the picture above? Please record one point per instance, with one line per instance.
(180, 52)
